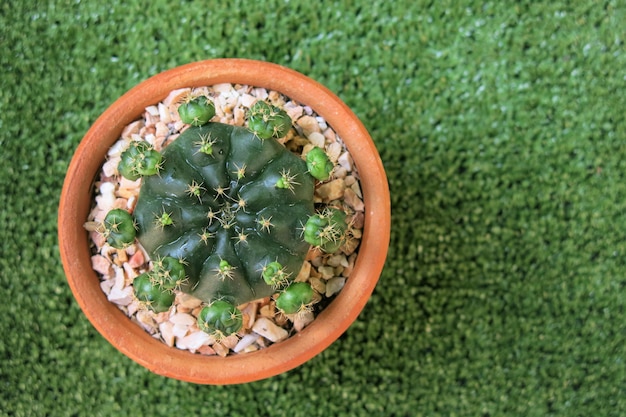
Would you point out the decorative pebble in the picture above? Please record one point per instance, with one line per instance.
(353, 200)
(266, 328)
(332, 190)
(245, 341)
(167, 332)
(302, 319)
(101, 265)
(317, 139)
(334, 285)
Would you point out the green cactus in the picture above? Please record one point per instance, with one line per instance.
(197, 111)
(326, 230)
(156, 288)
(119, 228)
(138, 160)
(268, 121)
(152, 294)
(220, 318)
(224, 213)
(319, 164)
(295, 299)
(229, 218)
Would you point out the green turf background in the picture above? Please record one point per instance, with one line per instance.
(501, 127)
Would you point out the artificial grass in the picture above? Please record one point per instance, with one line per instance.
(501, 127)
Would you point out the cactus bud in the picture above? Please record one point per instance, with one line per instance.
(295, 298)
(319, 164)
(197, 112)
(119, 228)
(326, 230)
(268, 121)
(152, 294)
(139, 160)
(220, 318)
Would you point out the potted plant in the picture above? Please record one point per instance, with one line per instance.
(130, 339)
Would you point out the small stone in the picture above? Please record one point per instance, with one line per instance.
(308, 124)
(266, 328)
(109, 168)
(130, 273)
(206, 350)
(183, 319)
(106, 199)
(239, 116)
(333, 151)
(120, 277)
(180, 330)
(345, 160)
(334, 285)
(193, 340)
(337, 260)
(247, 100)
(162, 131)
(220, 349)
(340, 172)
(353, 200)
(249, 313)
(164, 113)
(189, 301)
(260, 93)
(294, 111)
(330, 135)
(267, 310)
(356, 187)
(106, 286)
(133, 307)
(145, 320)
(101, 265)
(332, 190)
(350, 245)
(348, 269)
(176, 96)
(223, 88)
(152, 111)
(304, 273)
(302, 319)
(230, 341)
(167, 333)
(245, 342)
(358, 220)
(321, 122)
(327, 272)
(317, 139)
(136, 260)
(318, 285)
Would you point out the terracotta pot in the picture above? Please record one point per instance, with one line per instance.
(133, 341)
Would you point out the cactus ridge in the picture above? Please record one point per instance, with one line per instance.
(233, 206)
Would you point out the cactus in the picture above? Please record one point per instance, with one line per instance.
(220, 319)
(151, 294)
(119, 228)
(229, 218)
(268, 121)
(138, 160)
(156, 288)
(319, 164)
(232, 205)
(196, 111)
(326, 230)
(295, 299)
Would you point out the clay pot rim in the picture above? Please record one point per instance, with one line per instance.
(129, 338)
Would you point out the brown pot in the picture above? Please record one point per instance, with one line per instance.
(133, 341)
